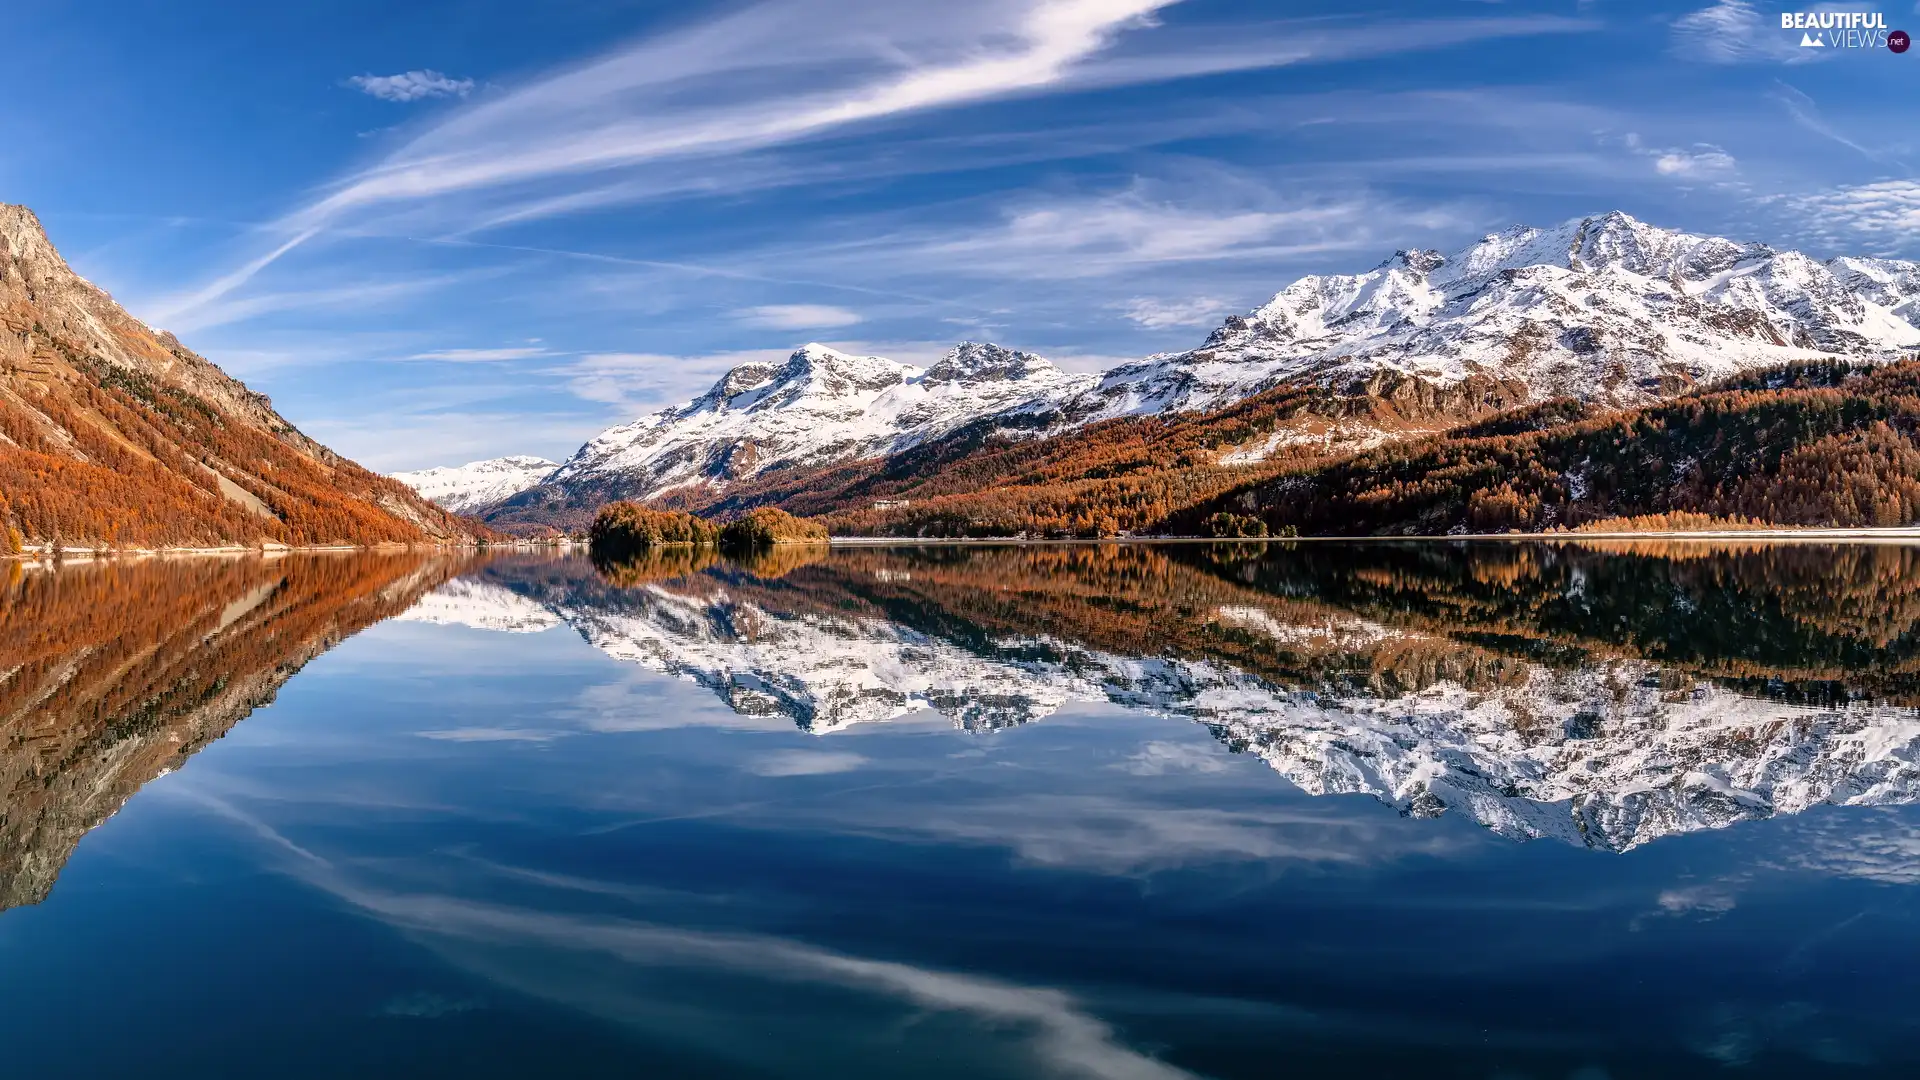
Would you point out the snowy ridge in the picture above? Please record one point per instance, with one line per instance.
(820, 406)
(477, 484)
(1607, 309)
(1608, 757)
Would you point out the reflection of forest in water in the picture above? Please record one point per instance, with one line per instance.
(1812, 624)
(1604, 696)
(114, 672)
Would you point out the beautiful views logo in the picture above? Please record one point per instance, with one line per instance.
(1844, 30)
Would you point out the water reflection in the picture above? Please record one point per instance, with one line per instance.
(753, 844)
(113, 673)
(1601, 695)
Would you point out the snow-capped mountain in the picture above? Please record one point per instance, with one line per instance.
(1607, 309)
(1611, 755)
(820, 406)
(477, 484)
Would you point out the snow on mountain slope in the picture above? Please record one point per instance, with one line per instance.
(482, 606)
(1610, 756)
(466, 488)
(820, 406)
(1605, 308)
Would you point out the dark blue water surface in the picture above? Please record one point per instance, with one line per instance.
(1097, 812)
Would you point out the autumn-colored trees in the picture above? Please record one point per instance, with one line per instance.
(98, 455)
(622, 527)
(1826, 444)
(765, 526)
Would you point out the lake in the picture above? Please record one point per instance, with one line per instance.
(1489, 810)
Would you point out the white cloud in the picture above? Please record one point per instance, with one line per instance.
(472, 356)
(623, 126)
(357, 296)
(1156, 314)
(1701, 161)
(799, 316)
(1884, 215)
(805, 763)
(1735, 32)
(1154, 223)
(411, 86)
(1704, 159)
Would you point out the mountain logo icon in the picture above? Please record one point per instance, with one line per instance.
(1808, 41)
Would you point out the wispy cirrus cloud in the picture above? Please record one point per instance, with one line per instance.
(411, 86)
(1805, 112)
(1736, 32)
(805, 763)
(1157, 314)
(1147, 224)
(478, 356)
(799, 316)
(1882, 217)
(589, 135)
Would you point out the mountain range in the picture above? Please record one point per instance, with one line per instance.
(1606, 310)
(1396, 691)
(114, 434)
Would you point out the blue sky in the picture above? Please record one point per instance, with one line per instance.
(440, 231)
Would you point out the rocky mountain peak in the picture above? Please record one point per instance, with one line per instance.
(972, 361)
(1605, 308)
(836, 373)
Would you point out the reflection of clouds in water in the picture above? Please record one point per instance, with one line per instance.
(1102, 834)
(1698, 902)
(491, 734)
(625, 969)
(804, 763)
(1734, 1033)
(1879, 845)
(425, 1006)
(648, 701)
(1159, 758)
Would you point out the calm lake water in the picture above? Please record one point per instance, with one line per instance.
(1301, 810)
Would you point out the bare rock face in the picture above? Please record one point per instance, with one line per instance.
(114, 433)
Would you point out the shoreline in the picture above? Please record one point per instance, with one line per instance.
(270, 551)
(1896, 535)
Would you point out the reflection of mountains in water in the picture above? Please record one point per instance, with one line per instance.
(1605, 698)
(114, 673)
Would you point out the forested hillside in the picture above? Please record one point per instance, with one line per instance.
(1812, 444)
(113, 434)
(1116, 476)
